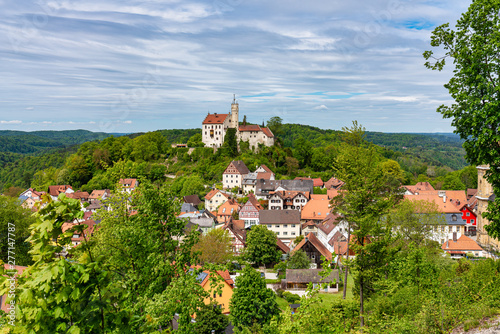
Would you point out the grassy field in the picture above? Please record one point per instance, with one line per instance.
(326, 298)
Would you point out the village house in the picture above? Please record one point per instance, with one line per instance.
(234, 174)
(215, 198)
(470, 220)
(299, 279)
(264, 188)
(228, 209)
(333, 183)
(54, 191)
(449, 204)
(288, 200)
(316, 209)
(194, 200)
(250, 180)
(219, 290)
(317, 182)
(285, 223)
(128, 185)
(314, 250)
(249, 213)
(98, 195)
(79, 237)
(462, 246)
(237, 234)
(420, 187)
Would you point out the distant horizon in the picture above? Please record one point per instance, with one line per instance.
(128, 133)
(129, 66)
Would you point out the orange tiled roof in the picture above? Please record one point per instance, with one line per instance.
(214, 192)
(452, 202)
(267, 169)
(315, 209)
(215, 118)
(463, 243)
(132, 182)
(267, 132)
(56, 190)
(228, 205)
(265, 176)
(419, 187)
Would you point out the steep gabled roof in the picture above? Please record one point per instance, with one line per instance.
(281, 245)
(215, 118)
(214, 192)
(314, 241)
(56, 190)
(329, 223)
(268, 132)
(255, 202)
(240, 167)
(419, 187)
(333, 183)
(128, 183)
(264, 167)
(192, 199)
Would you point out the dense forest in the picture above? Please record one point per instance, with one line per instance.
(90, 161)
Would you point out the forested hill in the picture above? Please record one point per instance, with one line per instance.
(38, 141)
(434, 149)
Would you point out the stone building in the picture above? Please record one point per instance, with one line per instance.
(484, 195)
(214, 129)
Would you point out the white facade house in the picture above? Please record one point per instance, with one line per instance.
(234, 174)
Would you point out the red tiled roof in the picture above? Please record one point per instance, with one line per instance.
(255, 202)
(214, 192)
(215, 118)
(267, 169)
(452, 203)
(316, 209)
(333, 183)
(252, 127)
(98, 194)
(281, 245)
(265, 176)
(267, 132)
(124, 182)
(464, 243)
(56, 190)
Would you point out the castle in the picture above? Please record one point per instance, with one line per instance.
(214, 128)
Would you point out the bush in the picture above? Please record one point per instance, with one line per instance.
(291, 298)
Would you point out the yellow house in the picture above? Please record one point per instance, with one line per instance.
(220, 288)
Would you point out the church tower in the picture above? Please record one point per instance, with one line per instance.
(234, 113)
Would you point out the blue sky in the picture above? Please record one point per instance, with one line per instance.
(128, 66)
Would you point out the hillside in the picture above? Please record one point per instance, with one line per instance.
(95, 160)
(38, 141)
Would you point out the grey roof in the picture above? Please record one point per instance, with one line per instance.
(279, 217)
(454, 219)
(240, 166)
(202, 221)
(187, 207)
(309, 275)
(263, 187)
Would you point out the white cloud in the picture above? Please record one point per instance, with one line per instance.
(321, 107)
(11, 122)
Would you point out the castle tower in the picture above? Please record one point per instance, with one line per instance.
(234, 113)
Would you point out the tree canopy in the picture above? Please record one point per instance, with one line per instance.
(261, 246)
(474, 46)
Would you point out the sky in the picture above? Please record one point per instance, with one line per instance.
(130, 66)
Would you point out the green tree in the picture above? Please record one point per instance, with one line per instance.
(261, 246)
(299, 260)
(252, 303)
(303, 151)
(366, 196)
(195, 141)
(230, 146)
(416, 221)
(474, 46)
(209, 319)
(214, 247)
(14, 231)
(275, 124)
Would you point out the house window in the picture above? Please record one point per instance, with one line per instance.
(312, 256)
(285, 226)
(278, 225)
(223, 210)
(285, 233)
(277, 233)
(454, 218)
(472, 221)
(293, 233)
(310, 227)
(467, 214)
(293, 225)
(442, 228)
